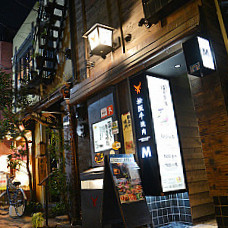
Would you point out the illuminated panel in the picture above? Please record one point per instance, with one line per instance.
(167, 141)
(206, 54)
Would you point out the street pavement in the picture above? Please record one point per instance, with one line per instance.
(6, 221)
(61, 221)
(26, 222)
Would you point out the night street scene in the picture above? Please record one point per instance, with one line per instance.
(114, 114)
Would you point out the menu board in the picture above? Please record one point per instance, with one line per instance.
(102, 135)
(167, 141)
(126, 177)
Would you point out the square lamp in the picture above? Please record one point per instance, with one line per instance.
(100, 38)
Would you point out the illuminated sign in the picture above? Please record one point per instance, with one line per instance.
(166, 136)
(141, 116)
(206, 54)
(157, 140)
(145, 141)
(199, 56)
(102, 135)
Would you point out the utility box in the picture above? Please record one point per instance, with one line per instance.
(91, 197)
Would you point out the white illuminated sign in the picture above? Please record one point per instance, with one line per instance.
(146, 152)
(206, 54)
(168, 148)
(103, 136)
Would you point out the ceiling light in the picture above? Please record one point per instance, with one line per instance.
(177, 66)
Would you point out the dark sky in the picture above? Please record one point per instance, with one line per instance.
(12, 15)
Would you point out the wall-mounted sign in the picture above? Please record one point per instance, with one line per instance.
(115, 128)
(107, 111)
(101, 120)
(167, 141)
(144, 134)
(199, 56)
(116, 145)
(102, 135)
(99, 158)
(129, 145)
(42, 164)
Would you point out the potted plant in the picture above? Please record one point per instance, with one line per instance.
(37, 220)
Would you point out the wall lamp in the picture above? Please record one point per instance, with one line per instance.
(100, 38)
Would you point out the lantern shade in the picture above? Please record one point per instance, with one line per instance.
(100, 39)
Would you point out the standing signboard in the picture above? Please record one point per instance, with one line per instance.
(123, 201)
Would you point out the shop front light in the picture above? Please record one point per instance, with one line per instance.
(100, 38)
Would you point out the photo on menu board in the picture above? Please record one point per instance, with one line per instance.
(126, 177)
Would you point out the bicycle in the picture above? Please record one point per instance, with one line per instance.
(14, 196)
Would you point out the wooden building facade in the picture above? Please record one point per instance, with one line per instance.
(154, 45)
(149, 38)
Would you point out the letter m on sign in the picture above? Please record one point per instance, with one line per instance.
(146, 152)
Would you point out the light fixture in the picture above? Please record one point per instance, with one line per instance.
(100, 38)
(177, 66)
(199, 56)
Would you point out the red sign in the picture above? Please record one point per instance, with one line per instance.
(107, 111)
(110, 110)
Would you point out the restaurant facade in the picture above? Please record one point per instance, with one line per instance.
(153, 95)
(157, 92)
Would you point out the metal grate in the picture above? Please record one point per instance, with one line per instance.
(156, 10)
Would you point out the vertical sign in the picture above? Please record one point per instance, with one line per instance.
(129, 146)
(167, 141)
(146, 149)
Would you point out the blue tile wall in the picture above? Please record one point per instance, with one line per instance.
(170, 208)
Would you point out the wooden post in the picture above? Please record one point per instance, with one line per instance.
(73, 169)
